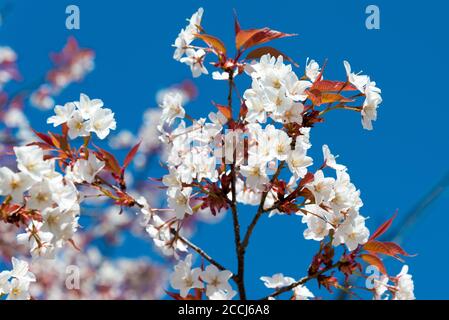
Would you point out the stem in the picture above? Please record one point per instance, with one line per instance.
(301, 281)
(235, 217)
(201, 252)
(260, 210)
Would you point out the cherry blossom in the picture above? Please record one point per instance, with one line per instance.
(216, 280)
(195, 60)
(15, 284)
(405, 286)
(277, 281)
(302, 293)
(247, 155)
(14, 184)
(185, 278)
(62, 114)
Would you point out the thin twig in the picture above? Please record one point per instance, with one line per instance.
(235, 217)
(201, 252)
(301, 281)
(260, 210)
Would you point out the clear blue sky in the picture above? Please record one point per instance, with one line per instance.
(393, 166)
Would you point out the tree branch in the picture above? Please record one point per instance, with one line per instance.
(301, 281)
(235, 217)
(260, 210)
(201, 252)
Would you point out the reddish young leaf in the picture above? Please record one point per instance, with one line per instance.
(252, 37)
(309, 177)
(60, 141)
(44, 137)
(236, 23)
(259, 52)
(320, 75)
(243, 110)
(65, 130)
(55, 140)
(314, 96)
(42, 145)
(328, 85)
(383, 228)
(375, 261)
(111, 162)
(213, 42)
(378, 247)
(177, 296)
(74, 245)
(333, 97)
(396, 249)
(130, 156)
(225, 110)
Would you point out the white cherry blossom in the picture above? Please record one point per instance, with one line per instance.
(14, 184)
(62, 114)
(278, 280)
(184, 278)
(216, 280)
(101, 122)
(195, 60)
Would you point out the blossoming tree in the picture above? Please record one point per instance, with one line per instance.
(251, 152)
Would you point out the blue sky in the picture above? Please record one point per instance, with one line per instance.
(394, 165)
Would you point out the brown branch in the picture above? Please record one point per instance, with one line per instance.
(235, 217)
(301, 281)
(260, 210)
(201, 252)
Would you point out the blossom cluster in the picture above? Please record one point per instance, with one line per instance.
(336, 207)
(278, 280)
(222, 161)
(39, 187)
(72, 64)
(8, 67)
(15, 284)
(44, 185)
(252, 151)
(84, 117)
(211, 281)
(401, 288)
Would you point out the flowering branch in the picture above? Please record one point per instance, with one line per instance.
(261, 210)
(202, 253)
(214, 166)
(301, 282)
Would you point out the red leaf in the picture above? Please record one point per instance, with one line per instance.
(383, 228)
(41, 145)
(252, 37)
(60, 141)
(111, 162)
(396, 249)
(377, 247)
(375, 261)
(236, 23)
(130, 156)
(225, 110)
(314, 96)
(333, 97)
(177, 296)
(320, 76)
(56, 141)
(72, 242)
(328, 85)
(44, 137)
(309, 177)
(213, 42)
(259, 52)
